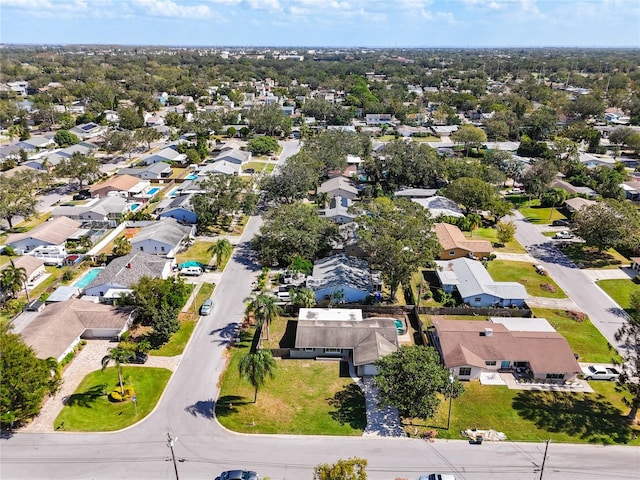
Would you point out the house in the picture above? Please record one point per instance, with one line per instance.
(469, 348)
(108, 210)
(444, 130)
(573, 190)
(85, 148)
(125, 186)
(154, 171)
(165, 237)
(455, 245)
(339, 187)
(180, 208)
(61, 326)
(439, 205)
(378, 118)
(631, 190)
(88, 130)
(168, 154)
(344, 334)
(412, 193)
(33, 267)
(53, 233)
(635, 264)
(239, 157)
(577, 203)
(121, 273)
(220, 167)
(348, 278)
(338, 210)
(476, 287)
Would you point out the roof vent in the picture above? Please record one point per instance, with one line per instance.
(488, 332)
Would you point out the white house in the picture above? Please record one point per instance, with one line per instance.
(344, 278)
(165, 237)
(51, 233)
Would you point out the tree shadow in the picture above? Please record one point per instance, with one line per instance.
(247, 256)
(86, 398)
(226, 405)
(227, 333)
(350, 407)
(590, 417)
(202, 408)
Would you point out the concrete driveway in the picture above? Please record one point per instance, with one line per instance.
(381, 422)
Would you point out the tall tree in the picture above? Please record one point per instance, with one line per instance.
(608, 224)
(475, 194)
(410, 378)
(469, 136)
(397, 237)
(64, 138)
(629, 337)
(294, 180)
(255, 367)
(146, 135)
(17, 195)
(80, 167)
(117, 356)
(351, 469)
(222, 250)
(270, 120)
(13, 279)
(265, 308)
(121, 246)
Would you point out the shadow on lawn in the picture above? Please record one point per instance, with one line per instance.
(226, 405)
(86, 398)
(350, 407)
(589, 257)
(590, 417)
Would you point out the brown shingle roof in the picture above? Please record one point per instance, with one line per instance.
(55, 231)
(118, 182)
(451, 236)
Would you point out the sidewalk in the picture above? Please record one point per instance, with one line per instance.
(515, 257)
(625, 273)
(553, 303)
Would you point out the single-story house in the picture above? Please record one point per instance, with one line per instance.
(165, 237)
(469, 347)
(33, 267)
(444, 130)
(88, 130)
(476, 287)
(338, 210)
(108, 209)
(378, 118)
(155, 171)
(635, 264)
(123, 272)
(455, 245)
(125, 186)
(52, 233)
(439, 205)
(577, 203)
(239, 157)
(339, 187)
(573, 190)
(60, 326)
(220, 167)
(181, 209)
(412, 193)
(350, 278)
(631, 190)
(168, 154)
(345, 334)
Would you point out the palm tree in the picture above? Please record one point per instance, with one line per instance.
(222, 250)
(255, 367)
(303, 297)
(322, 199)
(118, 356)
(265, 308)
(121, 246)
(475, 221)
(13, 279)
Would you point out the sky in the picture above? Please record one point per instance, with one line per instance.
(324, 23)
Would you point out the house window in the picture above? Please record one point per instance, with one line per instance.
(464, 371)
(555, 376)
(489, 363)
(162, 248)
(332, 350)
(505, 364)
(307, 349)
(477, 299)
(452, 252)
(520, 364)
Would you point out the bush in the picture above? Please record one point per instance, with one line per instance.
(118, 395)
(637, 279)
(67, 276)
(10, 251)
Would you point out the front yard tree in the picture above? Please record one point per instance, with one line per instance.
(506, 231)
(80, 167)
(117, 356)
(270, 120)
(294, 180)
(13, 279)
(410, 380)
(255, 367)
(293, 229)
(26, 379)
(121, 246)
(222, 198)
(262, 145)
(608, 224)
(351, 469)
(222, 250)
(398, 238)
(16, 198)
(473, 193)
(64, 138)
(469, 136)
(629, 336)
(302, 297)
(265, 309)
(146, 135)
(331, 147)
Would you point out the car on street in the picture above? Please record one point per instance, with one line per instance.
(561, 223)
(564, 235)
(596, 372)
(206, 307)
(437, 476)
(238, 475)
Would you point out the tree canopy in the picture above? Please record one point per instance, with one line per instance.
(80, 167)
(608, 224)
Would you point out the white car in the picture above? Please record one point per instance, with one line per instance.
(515, 191)
(437, 476)
(564, 235)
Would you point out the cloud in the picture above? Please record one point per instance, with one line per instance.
(430, 16)
(169, 8)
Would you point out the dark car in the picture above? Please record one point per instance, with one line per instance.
(82, 195)
(560, 223)
(138, 358)
(238, 475)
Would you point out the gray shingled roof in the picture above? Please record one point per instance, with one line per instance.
(167, 230)
(140, 265)
(55, 231)
(339, 270)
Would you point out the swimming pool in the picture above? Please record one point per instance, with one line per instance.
(134, 206)
(173, 192)
(153, 191)
(191, 176)
(87, 278)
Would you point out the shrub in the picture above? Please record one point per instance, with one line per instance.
(637, 279)
(67, 276)
(548, 287)
(118, 395)
(10, 251)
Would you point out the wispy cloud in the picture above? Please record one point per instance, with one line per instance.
(169, 8)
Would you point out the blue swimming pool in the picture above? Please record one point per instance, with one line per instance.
(153, 191)
(87, 278)
(191, 176)
(173, 192)
(134, 206)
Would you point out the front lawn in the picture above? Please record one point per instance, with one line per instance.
(589, 257)
(491, 234)
(177, 342)
(306, 397)
(535, 213)
(197, 252)
(583, 337)
(90, 410)
(620, 291)
(522, 272)
(534, 416)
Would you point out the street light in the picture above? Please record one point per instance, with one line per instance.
(170, 443)
(450, 400)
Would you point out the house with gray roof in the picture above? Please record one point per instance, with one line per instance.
(121, 273)
(168, 154)
(339, 187)
(348, 278)
(220, 167)
(107, 210)
(471, 280)
(439, 205)
(88, 130)
(52, 233)
(180, 208)
(338, 210)
(416, 193)
(155, 171)
(165, 237)
(239, 157)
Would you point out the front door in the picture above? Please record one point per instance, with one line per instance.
(505, 364)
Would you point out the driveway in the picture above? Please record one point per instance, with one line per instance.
(381, 422)
(553, 303)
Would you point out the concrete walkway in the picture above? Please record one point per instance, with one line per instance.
(381, 422)
(515, 257)
(88, 360)
(577, 386)
(625, 273)
(553, 303)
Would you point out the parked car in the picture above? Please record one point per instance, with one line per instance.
(515, 191)
(206, 307)
(437, 476)
(238, 475)
(540, 269)
(191, 271)
(561, 223)
(564, 235)
(82, 195)
(595, 372)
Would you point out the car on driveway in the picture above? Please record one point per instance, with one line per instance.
(596, 372)
(561, 223)
(238, 475)
(564, 235)
(515, 191)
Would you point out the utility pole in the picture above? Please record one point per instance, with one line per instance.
(544, 458)
(170, 443)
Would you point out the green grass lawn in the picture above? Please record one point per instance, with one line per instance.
(90, 410)
(306, 397)
(257, 165)
(196, 252)
(522, 272)
(533, 416)
(583, 337)
(540, 215)
(491, 234)
(620, 291)
(589, 257)
(430, 138)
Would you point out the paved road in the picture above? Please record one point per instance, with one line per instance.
(603, 312)
(204, 449)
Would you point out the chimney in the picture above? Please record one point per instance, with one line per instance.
(488, 332)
